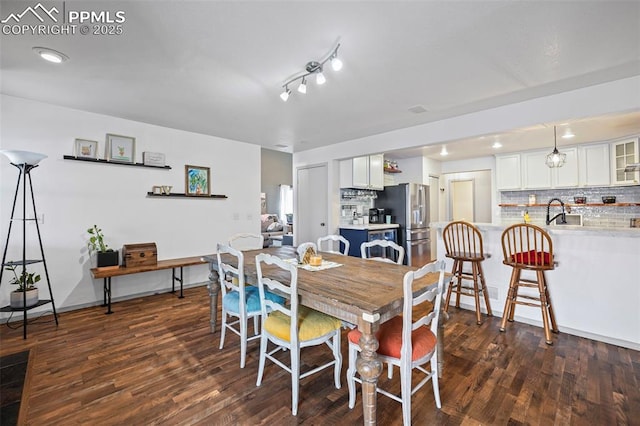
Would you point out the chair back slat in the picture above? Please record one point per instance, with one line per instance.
(527, 246)
(227, 272)
(463, 240)
(432, 294)
(365, 251)
(331, 239)
(246, 241)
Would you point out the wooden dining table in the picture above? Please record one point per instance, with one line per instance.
(362, 292)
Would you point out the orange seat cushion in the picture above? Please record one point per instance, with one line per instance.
(532, 257)
(389, 336)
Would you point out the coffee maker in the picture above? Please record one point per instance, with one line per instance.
(376, 215)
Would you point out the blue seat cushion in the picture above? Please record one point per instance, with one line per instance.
(231, 300)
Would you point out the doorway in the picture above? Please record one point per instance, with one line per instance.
(462, 197)
(311, 212)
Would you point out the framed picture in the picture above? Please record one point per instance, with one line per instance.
(197, 180)
(121, 148)
(86, 149)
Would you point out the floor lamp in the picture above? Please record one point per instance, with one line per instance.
(25, 161)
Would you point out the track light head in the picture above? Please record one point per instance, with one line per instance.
(303, 86)
(336, 63)
(285, 95)
(320, 78)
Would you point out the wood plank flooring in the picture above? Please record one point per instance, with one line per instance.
(154, 361)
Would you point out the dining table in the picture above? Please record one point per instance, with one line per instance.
(362, 292)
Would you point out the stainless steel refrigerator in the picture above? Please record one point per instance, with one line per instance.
(408, 205)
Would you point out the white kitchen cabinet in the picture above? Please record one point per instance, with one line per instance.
(363, 172)
(535, 172)
(593, 163)
(566, 176)
(508, 172)
(624, 153)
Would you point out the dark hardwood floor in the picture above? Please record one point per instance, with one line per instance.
(154, 361)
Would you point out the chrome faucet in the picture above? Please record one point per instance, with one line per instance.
(563, 218)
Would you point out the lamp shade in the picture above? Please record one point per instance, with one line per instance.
(23, 157)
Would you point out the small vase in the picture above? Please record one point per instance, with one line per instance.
(17, 298)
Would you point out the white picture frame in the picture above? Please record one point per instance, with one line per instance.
(84, 148)
(120, 148)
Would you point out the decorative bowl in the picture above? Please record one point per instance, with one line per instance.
(580, 200)
(609, 199)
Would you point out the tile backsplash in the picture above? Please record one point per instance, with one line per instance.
(596, 216)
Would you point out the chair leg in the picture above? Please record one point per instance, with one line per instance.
(554, 326)
(351, 372)
(223, 328)
(510, 299)
(295, 379)
(263, 355)
(405, 393)
(434, 378)
(451, 285)
(256, 330)
(243, 340)
(544, 307)
(476, 290)
(460, 267)
(485, 292)
(337, 354)
(516, 289)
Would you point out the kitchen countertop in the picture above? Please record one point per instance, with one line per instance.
(558, 229)
(371, 226)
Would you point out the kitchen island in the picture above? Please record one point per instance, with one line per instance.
(594, 287)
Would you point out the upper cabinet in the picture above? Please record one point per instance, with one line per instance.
(624, 153)
(593, 161)
(567, 175)
(508, 172)
(363, 172)
(535, 172)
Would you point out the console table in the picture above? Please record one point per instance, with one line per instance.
(109, 272)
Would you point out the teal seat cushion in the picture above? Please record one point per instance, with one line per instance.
(231, 300)
(312, 324)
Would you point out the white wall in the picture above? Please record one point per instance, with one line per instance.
(74, 195)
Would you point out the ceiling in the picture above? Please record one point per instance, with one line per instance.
(217, 68)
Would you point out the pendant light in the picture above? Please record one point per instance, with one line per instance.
(556, 158)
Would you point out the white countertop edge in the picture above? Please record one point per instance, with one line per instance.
(558, 230)
(371, 226)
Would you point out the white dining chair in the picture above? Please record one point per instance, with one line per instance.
(246, 241)
(239, 301)
(382, 246)
(311, 328)
(406, 343)
(330, 240)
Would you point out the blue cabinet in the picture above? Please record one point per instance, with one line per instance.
(358, 236)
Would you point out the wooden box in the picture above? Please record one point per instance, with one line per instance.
(143, 254)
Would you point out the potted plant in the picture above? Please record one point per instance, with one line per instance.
(104, 255)
(26, 283)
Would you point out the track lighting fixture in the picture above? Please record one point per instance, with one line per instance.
(313, 68)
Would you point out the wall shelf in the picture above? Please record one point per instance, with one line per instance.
(573, 205)
(386, 170)
(102, 161)
(182, 195)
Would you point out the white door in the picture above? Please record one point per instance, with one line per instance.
(311, 216)
(462, 200)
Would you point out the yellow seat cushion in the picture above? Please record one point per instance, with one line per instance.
(311, 324)
(389, 336)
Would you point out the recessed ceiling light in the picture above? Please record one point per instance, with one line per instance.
(50, 55)
(280, 145)
(444, 151)
(568, 134)
(418, 109)
(496, 145)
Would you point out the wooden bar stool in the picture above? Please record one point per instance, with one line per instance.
(463, 243)
(528, 247)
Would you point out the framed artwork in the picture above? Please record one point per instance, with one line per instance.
(197, 180)
(86, 149)
(121, 148)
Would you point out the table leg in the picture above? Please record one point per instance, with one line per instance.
(181, 285)
(214, 288)
(369, 367)
(107, 294)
